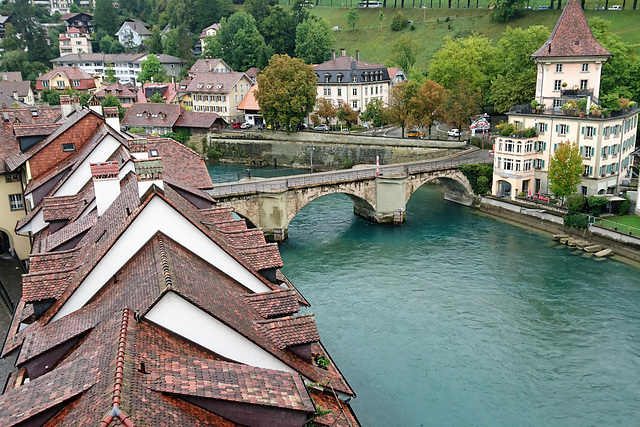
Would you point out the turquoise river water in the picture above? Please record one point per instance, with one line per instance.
(457, 319)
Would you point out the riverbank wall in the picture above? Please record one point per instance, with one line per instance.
(323, 151)
(621, 244)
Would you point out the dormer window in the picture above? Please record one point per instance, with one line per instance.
(354, 79)
(339, 77)
(327, 78)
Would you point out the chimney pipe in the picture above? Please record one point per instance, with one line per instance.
(148, 173)
(106, 184)
(112, 118)
(95, 106)
(357, 55)
(333, 54)
(343, 52)
(138, 149)
(65, 105)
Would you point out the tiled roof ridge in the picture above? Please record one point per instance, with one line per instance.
(47, 272)
(285, 319)
(245, 231)
(115, 411)
(164, 262)
(261, 246)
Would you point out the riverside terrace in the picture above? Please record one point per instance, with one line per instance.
(379, 194)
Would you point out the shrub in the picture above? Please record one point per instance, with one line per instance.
(506, 129)
(596, 204)
(624, 206)
(136, 129)
(529, 132)
(482, 185)
(474, 173)
(412, 27)
(576, 220)
(399, 22)
(575, 202)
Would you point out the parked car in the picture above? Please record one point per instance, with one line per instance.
(321, 128)
(543, 7)
(236, 125)
(246, 125)
(301, 126)
(453, 132)
(616, 7)
(415, 134)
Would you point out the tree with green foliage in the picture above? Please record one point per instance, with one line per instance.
(14, 60)
(151, 70)
(506, 10)
(374, 113)
(347, 115)
(471, 61)
(109, 44)
(156, 99)
(11, 41)
(154, 41)
(286, 91)
(110, 74)
(240, 43)
(300, 11)
(279, 31)
(50, 96)
(565, 168)
(516, 79)
(182, 135)
(314, 41)
(405, 52)
(399, 110)
(37, 45)
(465, 102)
(353, 17)
(259, 9)
(112, 101)
(479, 176)
(32, 70)
(208, 12)
(177, 42)
(105, 18)
(399, 22)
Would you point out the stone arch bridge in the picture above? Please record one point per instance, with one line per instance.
(380, 196)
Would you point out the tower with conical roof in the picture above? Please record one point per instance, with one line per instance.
(570, 61)
(568, 87)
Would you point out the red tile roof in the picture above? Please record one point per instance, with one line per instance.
(85, 80)
(345, 63)
(61, 207)
(160, 115)
(44, 286)
(214, 82)
(215, 215)
(192, 119)
(571, 36)
(104, 169)
(292, 330)
(275, 303)
(262, 257)
(118, 90)
(73, 230)
(34, 130)
(181, 163)
(233, 382)
(249, 102)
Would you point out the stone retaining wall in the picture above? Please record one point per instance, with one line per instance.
(621, 244)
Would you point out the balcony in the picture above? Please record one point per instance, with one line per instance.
(526, 109)
(578, 93)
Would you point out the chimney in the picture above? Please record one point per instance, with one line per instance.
(343, 52)
(65, 104)
(95, 106)
(15, 95)
(149, 173)
(333, 54)
(138, 149)
(106, 184)
(357, 55)
(112, 118)
(75, 102)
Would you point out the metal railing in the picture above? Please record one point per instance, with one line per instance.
(277, 185)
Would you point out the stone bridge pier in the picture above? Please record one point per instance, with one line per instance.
(380, 199)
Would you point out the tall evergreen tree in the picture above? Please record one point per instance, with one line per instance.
(105, 18)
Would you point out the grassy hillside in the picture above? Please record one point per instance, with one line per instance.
(375, 43)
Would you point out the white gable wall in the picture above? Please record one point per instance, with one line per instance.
(157, 216)
(79, 178)
(205, 330)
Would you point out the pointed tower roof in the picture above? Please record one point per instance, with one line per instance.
(572, 36)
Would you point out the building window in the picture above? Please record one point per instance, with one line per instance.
(327, 91)
(588, 152)
(60, 84)
(69, 147)
(15, 200)
(518, 164)
(563, 129)
(558, 68)
(585, 68)
(557, 103)
(584, 190)
(508, 146)
(557, 85)
(528, 146)
(327, 78)
(527, 165)
(583, 84)
(45, 83)
(354, 92)
(589, 132)
(508, 164)
(499, 162)
(76, 83)
(354, 79)
(339, 91)
(355, 105)
(12, 177)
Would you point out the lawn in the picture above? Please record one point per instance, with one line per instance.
(624, 224)
(431, 26)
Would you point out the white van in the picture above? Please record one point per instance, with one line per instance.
(616, 7)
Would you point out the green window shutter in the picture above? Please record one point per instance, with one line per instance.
(582, 130)
(556, 128)
(580, 149)
(544, 146)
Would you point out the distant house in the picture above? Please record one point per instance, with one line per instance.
(82, 21)
(250, 107)
(18, 90)
(210, 31)
(164, 118)
(396, 75)
(133, 32)
(11, 76)
(125, 95)
(209, 65)
(252, 73)
(74, 41)
(63, 77)
(168, 91)
(125, 65)
(219, 93)
(4, 20)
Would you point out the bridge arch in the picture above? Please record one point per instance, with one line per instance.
(455, 183)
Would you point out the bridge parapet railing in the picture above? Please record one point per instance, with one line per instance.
(282, 184)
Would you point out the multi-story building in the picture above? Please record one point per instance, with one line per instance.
(210, 31)
(220, 93)
(569, 66)
(82, 21)
(132, 33)
(66, 77)
(125, 65)
(74, 41)
(347, 80)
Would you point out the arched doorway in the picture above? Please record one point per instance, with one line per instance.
(504, 189)
(5, 243)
